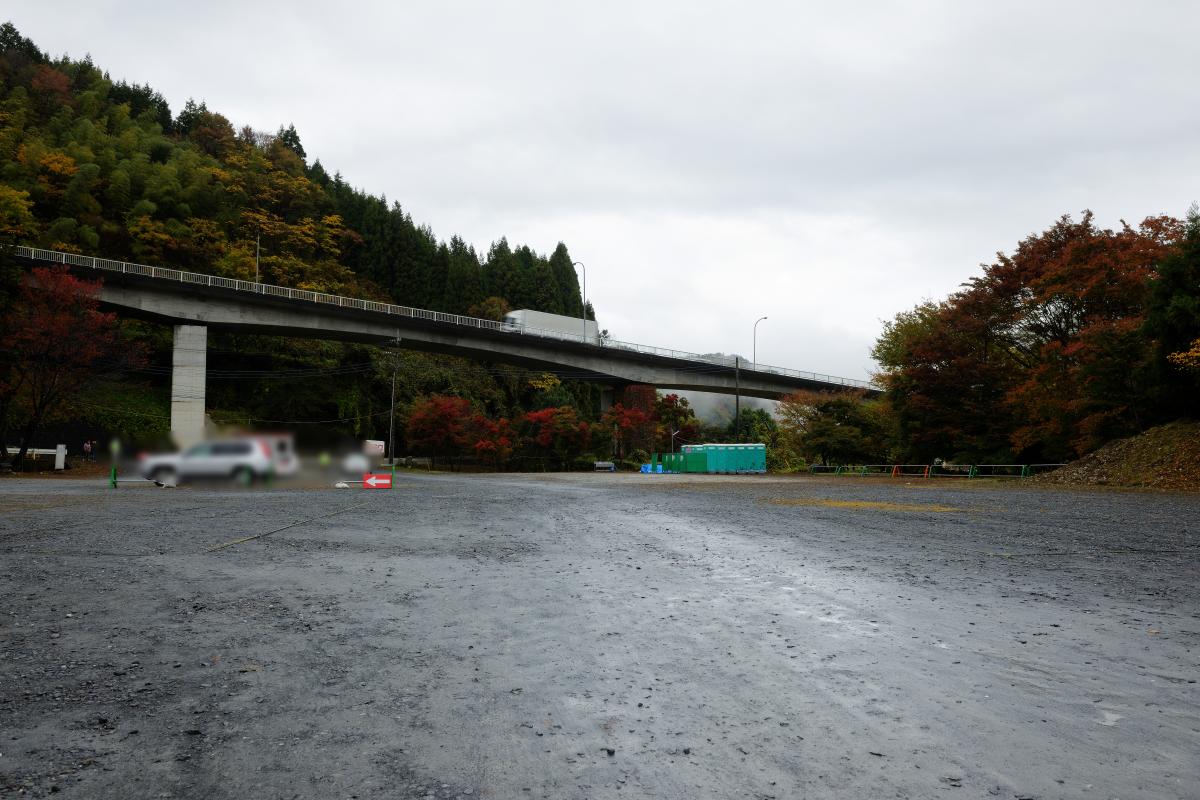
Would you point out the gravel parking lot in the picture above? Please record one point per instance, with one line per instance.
(599, 636)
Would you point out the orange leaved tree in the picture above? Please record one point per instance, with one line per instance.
(54, 340)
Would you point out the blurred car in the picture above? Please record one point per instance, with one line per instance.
(243, 459)
(355, 464)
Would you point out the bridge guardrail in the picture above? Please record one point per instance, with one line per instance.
(165, 273)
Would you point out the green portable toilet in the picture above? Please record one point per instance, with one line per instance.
(758, 458)
(725, 459)
(695, 459)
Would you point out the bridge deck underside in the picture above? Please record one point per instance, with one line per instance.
(223, 309)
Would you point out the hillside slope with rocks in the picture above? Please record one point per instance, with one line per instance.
(1166, 457)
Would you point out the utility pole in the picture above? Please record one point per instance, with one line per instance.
(737, 399)
(257, 248)
(392, 420)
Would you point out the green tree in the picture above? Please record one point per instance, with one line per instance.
(833, 428)
(493, 308)
(17, 49)
(142, 100)
(566, 281)
(16, 226)
(674, 415)
(464, 285)
(291, 140)
(500, 277)
(1173, 325)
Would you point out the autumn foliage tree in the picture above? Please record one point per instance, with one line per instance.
(54, 341)
(676, 422)
(556, 432)
(631, 429)
(495, 441)
(440, 426)
(1187, 359)
(632, 421)
(1046, 355)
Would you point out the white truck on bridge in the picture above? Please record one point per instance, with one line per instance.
(539, 322)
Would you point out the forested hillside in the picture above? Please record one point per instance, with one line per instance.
(104, 167)
(100, 166)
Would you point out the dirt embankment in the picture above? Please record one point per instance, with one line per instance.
(1166, 457)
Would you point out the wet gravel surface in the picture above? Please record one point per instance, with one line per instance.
(599, 636)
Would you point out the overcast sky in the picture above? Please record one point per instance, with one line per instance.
(822, 164)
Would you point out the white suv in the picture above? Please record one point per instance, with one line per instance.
(243, 459)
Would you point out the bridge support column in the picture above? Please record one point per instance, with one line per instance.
(188, 371)
(607, 395)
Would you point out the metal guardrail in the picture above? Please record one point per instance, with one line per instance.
(163, 273)
(942, 470)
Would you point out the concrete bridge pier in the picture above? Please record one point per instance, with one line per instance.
(607, 398)
(188, 372)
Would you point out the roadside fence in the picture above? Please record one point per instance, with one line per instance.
(933, 470)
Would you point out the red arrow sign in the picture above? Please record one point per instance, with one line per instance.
(376, 481)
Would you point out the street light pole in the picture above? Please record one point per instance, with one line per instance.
(583, 271)
(755, 349)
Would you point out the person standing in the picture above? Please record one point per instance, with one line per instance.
(87, 451)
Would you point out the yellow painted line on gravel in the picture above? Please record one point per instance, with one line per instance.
(860, 504)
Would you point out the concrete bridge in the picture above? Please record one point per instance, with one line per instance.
(194, 302)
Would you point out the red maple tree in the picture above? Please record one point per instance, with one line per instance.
(495, 440)
(557, 431)
(55, 338)
(632, 428)
(440, 426)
